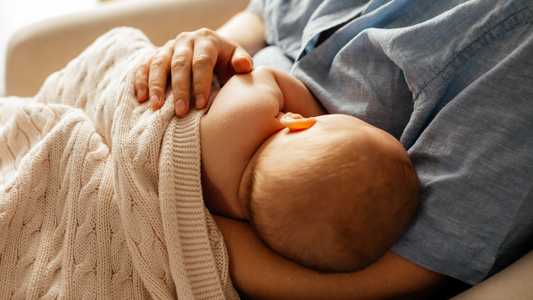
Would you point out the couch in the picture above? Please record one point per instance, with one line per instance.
(38, 50)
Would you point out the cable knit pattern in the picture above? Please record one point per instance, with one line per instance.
(101, 198)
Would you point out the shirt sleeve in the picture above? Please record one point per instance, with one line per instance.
(461, 74)
(473, 153)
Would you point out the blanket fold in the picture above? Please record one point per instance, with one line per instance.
(100, 197)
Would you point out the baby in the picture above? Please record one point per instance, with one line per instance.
(331, 193)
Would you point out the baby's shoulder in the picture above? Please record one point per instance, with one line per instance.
(259, 78)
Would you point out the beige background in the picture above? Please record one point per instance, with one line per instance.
(15, 14)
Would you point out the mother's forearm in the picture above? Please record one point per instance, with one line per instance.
(259, 273)
(246, 29)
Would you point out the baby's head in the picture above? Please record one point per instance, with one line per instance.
(332, 196)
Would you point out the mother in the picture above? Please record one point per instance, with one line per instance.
(451, 80)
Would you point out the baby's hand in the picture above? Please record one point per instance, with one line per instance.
(189, 59)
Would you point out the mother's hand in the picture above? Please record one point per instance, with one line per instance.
(189, 59)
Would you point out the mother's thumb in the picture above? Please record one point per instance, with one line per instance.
(241, 61)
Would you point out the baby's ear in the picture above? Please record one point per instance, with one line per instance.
(296, 122)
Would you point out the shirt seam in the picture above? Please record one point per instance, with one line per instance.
(457, 57)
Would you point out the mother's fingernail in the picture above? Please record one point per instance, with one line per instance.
(251, 62)
(179, 106)
(200, 101)
(140, 93)
(154, 101)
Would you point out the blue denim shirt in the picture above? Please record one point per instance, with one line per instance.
(453, 81)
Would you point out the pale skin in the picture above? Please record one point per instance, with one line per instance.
(254, 269)
(247, 118)
(197, 54)
(247, 111)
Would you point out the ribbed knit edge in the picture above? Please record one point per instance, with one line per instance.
(189, 226)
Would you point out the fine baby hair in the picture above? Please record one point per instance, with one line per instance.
(336, 200)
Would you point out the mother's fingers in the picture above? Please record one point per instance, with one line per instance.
(241, 62)
(141, 77)
(203, 62)
(157, 80)
(181, 74)
(238, 61)
(190, 60)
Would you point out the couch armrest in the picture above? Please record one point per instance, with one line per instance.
(40, 49)
(513, 283)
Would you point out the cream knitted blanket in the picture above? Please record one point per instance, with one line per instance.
(100, 198)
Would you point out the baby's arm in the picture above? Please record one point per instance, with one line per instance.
(297, 98)
(244, 114)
